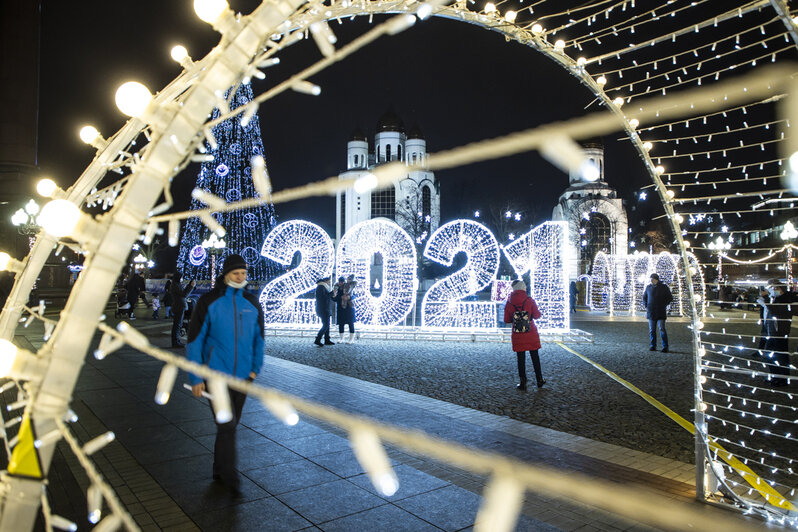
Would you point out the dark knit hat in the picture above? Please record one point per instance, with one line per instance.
(655, 276)
(233, 262)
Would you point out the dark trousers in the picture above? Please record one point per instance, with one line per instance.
(652, 332)
(325, 329)
(224, 450)
(351, 327)
(521, 356)
(177, 322)
(777, 356)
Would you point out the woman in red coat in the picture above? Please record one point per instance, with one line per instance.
(520, 310)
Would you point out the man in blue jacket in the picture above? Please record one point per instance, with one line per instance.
(656, 299)
(226, 334)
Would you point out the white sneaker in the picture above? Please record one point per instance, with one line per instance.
(351, 338)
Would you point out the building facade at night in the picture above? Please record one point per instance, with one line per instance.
(413, 202)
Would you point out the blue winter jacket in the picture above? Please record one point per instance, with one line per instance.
(226, 332)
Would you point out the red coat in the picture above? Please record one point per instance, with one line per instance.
(528, 341)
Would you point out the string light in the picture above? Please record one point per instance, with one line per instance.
(442, 305)
(279, 298)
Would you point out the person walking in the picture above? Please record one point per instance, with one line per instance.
(226, 334)
(166, 299)
(179, 294)
(656, 299)
(521, 310)
(345, 308)
(323, 302)
(778, 312)
(132, 287)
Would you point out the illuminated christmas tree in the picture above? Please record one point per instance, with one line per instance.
(229, 176)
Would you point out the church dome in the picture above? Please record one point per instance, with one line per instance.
(390, 122)
(593, 143)
(415, 133)
(357, 134)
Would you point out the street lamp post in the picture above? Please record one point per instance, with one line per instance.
(25, 221)
(214, 246)
(720, 245)
(787, 236)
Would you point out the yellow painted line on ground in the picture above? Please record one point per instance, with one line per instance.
(760, 485)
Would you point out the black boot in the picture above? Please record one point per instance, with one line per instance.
(521, 358)
(536, 364)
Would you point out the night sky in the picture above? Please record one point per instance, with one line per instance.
(459, 83)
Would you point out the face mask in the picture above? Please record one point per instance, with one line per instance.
(242, 284)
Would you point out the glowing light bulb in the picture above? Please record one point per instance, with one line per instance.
(510, 16)
(559, 45)
(589, 170)
(365, 183)
(89, 133)
(490, 7)
(19, 217)
(46, 187)
(647, 146)
(32, 208)
(618, 102)
(8, 353)
(179, 53)
(659, 169)
(59, 217)
(634, 122)
(581, 62)
(132, 98)
(601, 80)
(210, 10)
(537, 29)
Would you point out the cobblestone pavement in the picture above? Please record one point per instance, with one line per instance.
(577, 398)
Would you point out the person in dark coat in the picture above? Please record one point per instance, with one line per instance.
(179, 294)
(166, 300)
(656, 299)
(133, 286)
(345, 307)
(528, 340)
(574, 292)
(323, 303)
(778, 313)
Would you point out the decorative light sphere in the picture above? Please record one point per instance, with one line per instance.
(490, 7)
(618, 102)
(132, 98)
(659, 169)
(601, 81)
(647, 146)
(89, 133)
(210, 10)
(179, 53)
(8, 353)
(46, 187)
(5, 258)
(537, 29)
(581, 62)
(510, 16)
(634, 122)
(32, 208)
(670, 194)
(19, 218)
(559, 45)
(59, 217)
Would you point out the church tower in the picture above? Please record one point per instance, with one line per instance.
(413, 202)
(596, 216)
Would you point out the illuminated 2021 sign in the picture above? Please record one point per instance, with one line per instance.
(541, 253)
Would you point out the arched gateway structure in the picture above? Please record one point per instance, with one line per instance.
(715, 155)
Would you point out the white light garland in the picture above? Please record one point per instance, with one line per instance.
(543, 253)
(442, 305)
(355, 253)
(279, 297)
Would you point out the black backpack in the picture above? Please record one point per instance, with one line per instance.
(521, 319)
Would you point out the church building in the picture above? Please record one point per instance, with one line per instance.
(595, 214)
(413, 202)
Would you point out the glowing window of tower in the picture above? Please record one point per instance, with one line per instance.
(387, 152)
(383, 203)
(597, 235)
